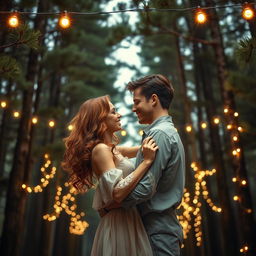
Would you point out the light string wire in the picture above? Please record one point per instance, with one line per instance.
(132, 10)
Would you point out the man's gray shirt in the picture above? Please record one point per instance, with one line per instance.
(160, 191)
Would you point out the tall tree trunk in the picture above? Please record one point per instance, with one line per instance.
(248, 224)
(4, 130)
(193, 156)
(16, 198)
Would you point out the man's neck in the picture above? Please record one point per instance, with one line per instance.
(159, 113)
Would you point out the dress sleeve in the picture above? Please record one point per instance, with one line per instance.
(104, 191)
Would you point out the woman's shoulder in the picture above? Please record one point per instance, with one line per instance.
(101, 149)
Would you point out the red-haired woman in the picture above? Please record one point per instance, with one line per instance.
(91, 154)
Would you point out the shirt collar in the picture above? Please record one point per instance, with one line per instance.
(159, 120)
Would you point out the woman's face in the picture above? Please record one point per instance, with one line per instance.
(113, 119)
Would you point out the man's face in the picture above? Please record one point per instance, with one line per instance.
(142, 107)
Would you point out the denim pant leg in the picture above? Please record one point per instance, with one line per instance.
(165, 245)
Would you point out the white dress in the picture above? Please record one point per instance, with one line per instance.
(120, 231)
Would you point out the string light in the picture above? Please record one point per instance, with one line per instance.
(16, 114)
(216, 120)
(65, 21)
(243, 182)
(234, 179)
(235, 138)
(123, 133)
(244, 249)
(203, 125)
(51, 123)
(236, 114)
(200, 13)
(13, 20)
(193, 206)
(240, 129)
(235, 198)
(3, 104)
(34, 120)
(76, 225)
(229, 126)
(188, 128)
(225, 110)
(200, 16)
(44, 180)
(248, 12)
(70, 127)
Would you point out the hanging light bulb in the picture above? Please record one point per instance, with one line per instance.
(64, 20)
(200, 16)
(13, 20)
(248, 12)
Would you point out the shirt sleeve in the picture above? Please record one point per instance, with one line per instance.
(146, 188)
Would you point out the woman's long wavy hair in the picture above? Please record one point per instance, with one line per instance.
(88, 130)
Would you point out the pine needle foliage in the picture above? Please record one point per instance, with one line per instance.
(9, 67)
(246, 50)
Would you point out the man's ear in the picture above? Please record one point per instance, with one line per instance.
(154, 99)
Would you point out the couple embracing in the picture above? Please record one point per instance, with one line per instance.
(137, 203)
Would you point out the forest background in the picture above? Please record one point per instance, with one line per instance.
(46, 72)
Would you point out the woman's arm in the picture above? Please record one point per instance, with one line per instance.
(102, 158)
(129, 152)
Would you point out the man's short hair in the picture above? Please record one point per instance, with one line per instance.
(154, 84)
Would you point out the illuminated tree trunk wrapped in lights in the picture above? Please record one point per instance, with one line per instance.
(245, 201)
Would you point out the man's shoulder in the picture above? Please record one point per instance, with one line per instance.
(163, 129)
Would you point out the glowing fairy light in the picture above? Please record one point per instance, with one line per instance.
(243, 182)
(216, 120)
(188, 128)
(236, 198)
(16, 114)
(200, 16)
(123, 133)
(234, 179)
(203, 125)
(3, 104)
(65, 21)
(235, 138)
(248, 13)
(240, 129)
(51, 123)
(70, 127)
(13, 21)
(34, 120)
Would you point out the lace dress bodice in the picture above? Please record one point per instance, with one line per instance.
(107, 182)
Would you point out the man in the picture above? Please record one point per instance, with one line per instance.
(160, 191)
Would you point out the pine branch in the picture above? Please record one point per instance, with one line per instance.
(8, 67)
(23, 35)
(246, 50)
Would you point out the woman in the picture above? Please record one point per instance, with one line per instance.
(91, 153)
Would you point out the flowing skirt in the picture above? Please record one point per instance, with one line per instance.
(121, 232)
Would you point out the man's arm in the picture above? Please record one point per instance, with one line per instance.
(146, 188)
